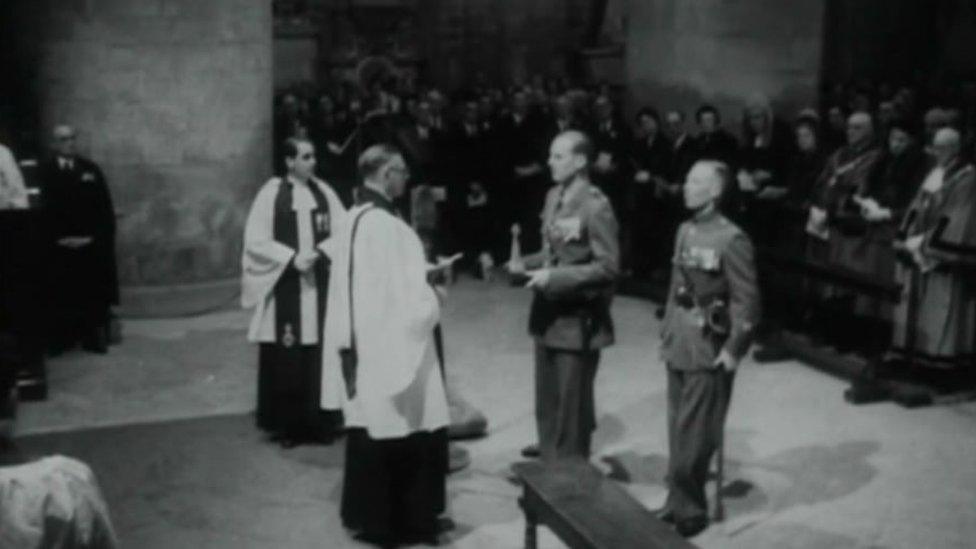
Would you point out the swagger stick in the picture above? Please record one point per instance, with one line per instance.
(719, 511)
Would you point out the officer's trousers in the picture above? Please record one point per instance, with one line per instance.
(564, 408)
(697, 404)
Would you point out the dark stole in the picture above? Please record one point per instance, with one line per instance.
(287, 292)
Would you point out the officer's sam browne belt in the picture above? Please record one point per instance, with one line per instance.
(714, 307)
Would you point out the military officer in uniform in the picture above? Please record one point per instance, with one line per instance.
(573, 280)
(712, 310)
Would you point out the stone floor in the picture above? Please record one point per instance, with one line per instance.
(809, 470)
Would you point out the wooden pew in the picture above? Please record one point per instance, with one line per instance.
(586, 510)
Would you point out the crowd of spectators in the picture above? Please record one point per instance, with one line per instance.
(486, 146)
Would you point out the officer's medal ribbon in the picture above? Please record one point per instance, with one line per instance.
(568, 228)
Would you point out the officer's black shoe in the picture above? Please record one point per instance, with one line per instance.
(531, 451)
(691, 527)
(664, 514)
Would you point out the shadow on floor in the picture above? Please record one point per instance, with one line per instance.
(805, 475)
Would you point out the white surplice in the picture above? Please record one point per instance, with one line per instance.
(264, 258)
(399, 385)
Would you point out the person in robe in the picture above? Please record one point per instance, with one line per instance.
(836, 220)
(13, 193)
(939, 282)
(81, 220)
(381, 365)
(883, 203)
(572, 279)
(713, 142)
(285, 279)
(761, 181)
(802, 171)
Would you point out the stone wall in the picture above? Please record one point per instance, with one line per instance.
(506, 39)
(173, 99)
(681, 53)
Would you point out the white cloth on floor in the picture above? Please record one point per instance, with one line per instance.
(55, 503)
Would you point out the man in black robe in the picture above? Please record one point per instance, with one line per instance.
(285, 281)
(81, 221)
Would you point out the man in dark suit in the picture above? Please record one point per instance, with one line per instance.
(611, 169)
(682, 147)
(712, 141)
(562, 118)
(524, 186)
(471, 201)
(81, 219)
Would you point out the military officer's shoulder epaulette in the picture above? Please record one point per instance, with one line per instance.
(553, 192)
(728, 224)
(730, 230)
(596, 195)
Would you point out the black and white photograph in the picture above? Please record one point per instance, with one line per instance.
(487, 274)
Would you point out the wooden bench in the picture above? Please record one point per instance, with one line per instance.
(587, 510)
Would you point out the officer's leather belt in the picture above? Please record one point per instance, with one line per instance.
(700, 301)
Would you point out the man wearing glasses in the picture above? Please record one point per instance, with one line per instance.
(285, 280)
(381, 365)
(80, 215)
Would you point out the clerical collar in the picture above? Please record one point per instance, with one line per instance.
(295, 181)
(368, 195)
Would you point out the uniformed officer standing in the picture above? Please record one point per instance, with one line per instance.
(573, 279)
(713, 307)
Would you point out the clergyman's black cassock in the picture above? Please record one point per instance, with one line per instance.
(289, 372)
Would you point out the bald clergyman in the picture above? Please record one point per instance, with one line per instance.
(572, 278)
(383, 310)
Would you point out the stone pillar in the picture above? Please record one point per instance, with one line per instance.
(681, 53)
(173, 99)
